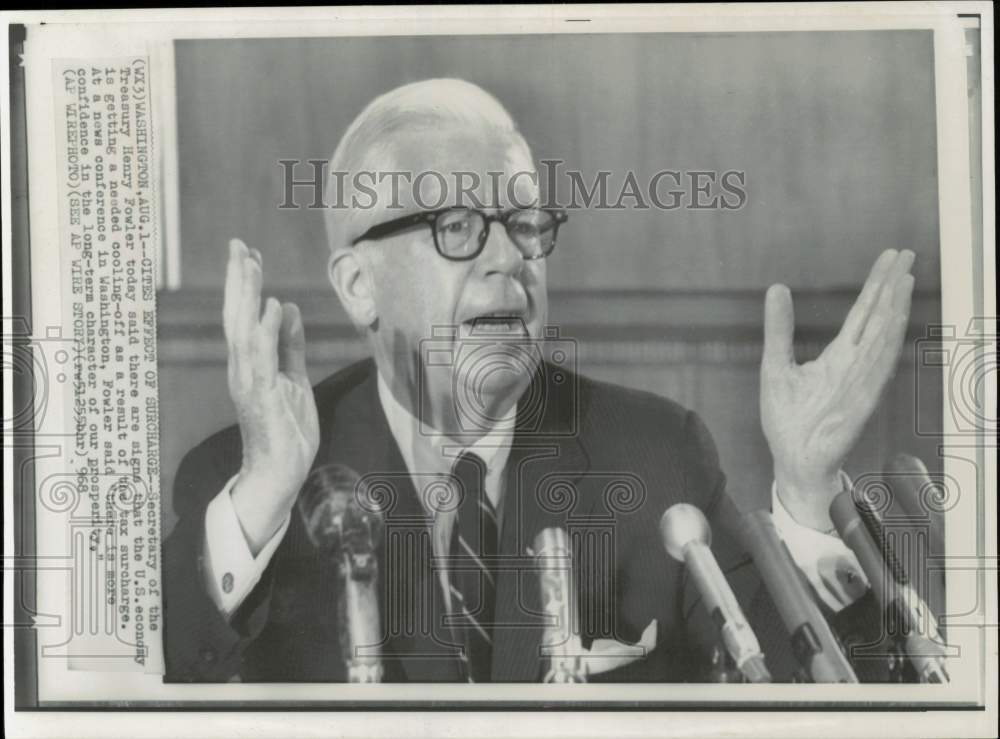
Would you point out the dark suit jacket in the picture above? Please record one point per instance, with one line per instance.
(601, 461)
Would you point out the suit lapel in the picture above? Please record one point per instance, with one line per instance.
(546, 462)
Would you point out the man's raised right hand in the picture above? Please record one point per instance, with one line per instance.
(274, 402)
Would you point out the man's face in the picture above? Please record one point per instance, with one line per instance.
(497, 301)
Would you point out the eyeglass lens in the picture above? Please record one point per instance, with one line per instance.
(459, 232)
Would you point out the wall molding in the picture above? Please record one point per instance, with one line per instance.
(612, 327)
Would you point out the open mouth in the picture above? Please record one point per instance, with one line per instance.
(497, 324)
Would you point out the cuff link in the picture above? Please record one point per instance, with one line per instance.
(227, 583)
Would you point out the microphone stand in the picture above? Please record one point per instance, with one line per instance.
(358, 605)
(722, 667)
(559, 639)
(565, 669)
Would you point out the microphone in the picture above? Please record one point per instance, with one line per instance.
(813, 641)
(686, 537)
(346, 524)
(560, 641)
(924, 646)
(911, 485)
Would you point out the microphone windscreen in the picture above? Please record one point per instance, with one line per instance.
(682, 524)
(920, 497)
(336, 508)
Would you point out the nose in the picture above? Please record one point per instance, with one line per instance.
(500, 254)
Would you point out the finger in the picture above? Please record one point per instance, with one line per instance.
(877, 362)
(896, 332)
(903, 295)
(234, 287)
(884, 313)
(872, 380)
(779, 327)
(266, 344)
(248, 317)
(292, 344)
(900, 268)
(857, 317)
(255, 254)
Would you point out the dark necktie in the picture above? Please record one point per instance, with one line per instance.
(471, 580)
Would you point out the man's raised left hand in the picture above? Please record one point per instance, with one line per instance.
(813, 413)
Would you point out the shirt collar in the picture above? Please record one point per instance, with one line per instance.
(434, 453)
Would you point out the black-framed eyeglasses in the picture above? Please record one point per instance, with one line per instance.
(460, 233)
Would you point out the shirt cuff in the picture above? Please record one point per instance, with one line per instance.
(231, 571)
(828, 564)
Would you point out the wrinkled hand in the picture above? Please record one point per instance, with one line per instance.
(274, 401)
(814, 413)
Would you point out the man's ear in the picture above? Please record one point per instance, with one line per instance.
(350, 275)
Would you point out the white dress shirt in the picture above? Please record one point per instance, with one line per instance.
(231, 571)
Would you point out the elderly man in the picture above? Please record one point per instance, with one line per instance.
(248, 596)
